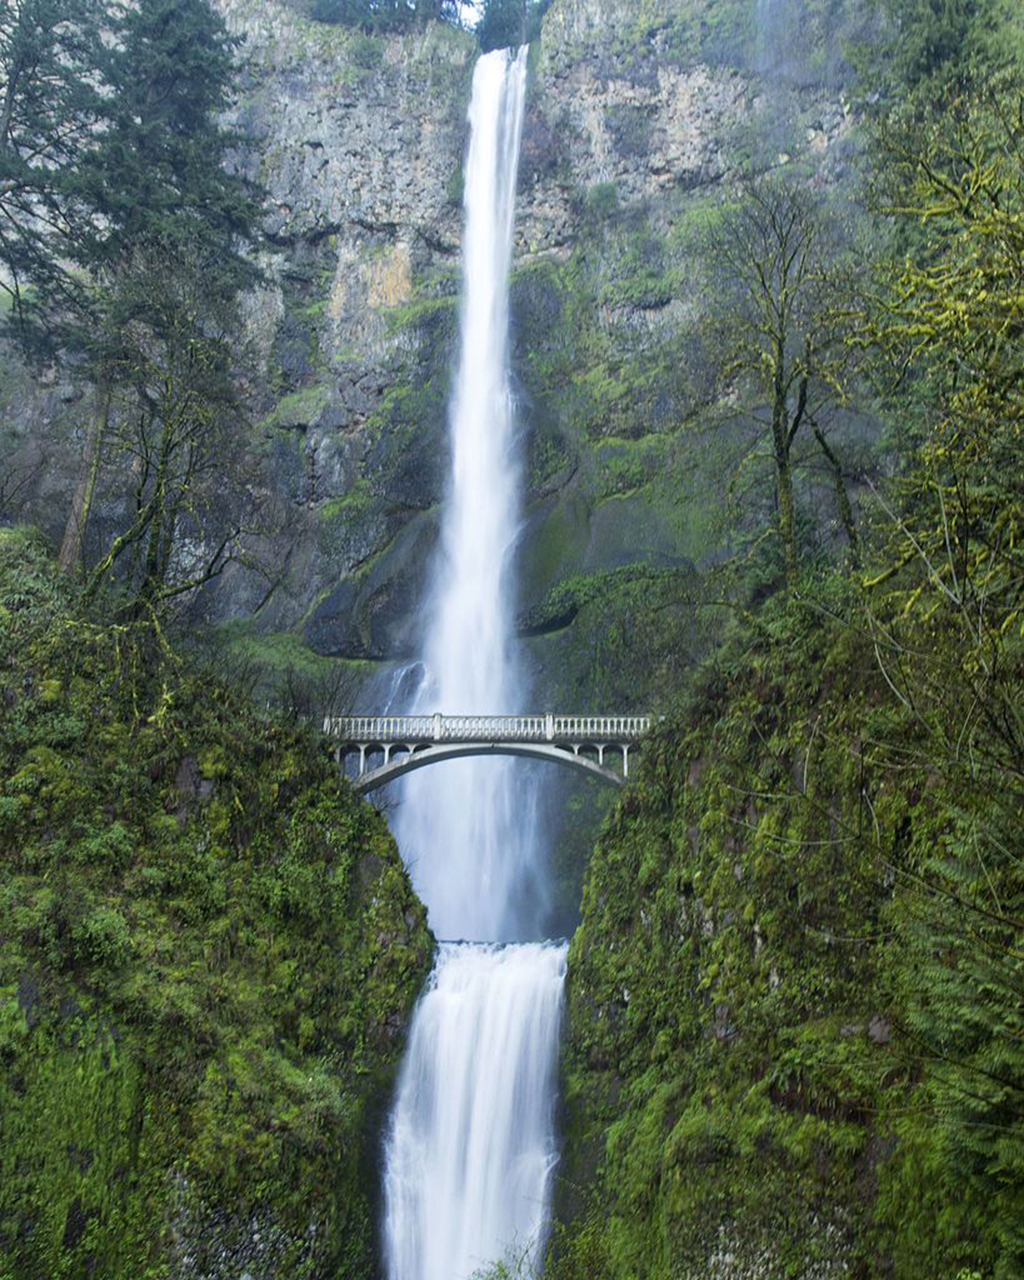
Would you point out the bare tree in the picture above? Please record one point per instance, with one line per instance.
(784, 335)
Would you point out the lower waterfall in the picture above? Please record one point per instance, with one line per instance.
(471, 1145)
(474, 1119)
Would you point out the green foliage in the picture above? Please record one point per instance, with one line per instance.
(49, 52)
(153, 173)
(602, 200)
(366, 52)
(744, 1044)
(930, 40)
(207, 949)
(949, 586)
(134, 270)
(383, 15)
(70, 1164)
(507, 23)
(795, 993)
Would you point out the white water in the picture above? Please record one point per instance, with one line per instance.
(471, 1146)
(470, 1165)
(468, 829)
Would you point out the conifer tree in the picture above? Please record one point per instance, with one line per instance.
(158, 180)
(51, 105)
(384, 15)
(506, 23)
(158, 173)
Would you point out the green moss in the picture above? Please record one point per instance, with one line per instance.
(277, 652)
(352, 505)
(624, 466)
(554, 547)
(299, 407)
(73, 1164)
(737, 1063)
(602, 200)
(421, 311)
(207, 949)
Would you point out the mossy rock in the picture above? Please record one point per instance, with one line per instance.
(373, 613)
(737, 1062)
(554, 546)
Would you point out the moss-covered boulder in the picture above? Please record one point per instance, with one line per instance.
(208, 949)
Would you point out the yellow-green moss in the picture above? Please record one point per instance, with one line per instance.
(739, 1072)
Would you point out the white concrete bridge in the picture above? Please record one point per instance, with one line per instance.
(385, 747)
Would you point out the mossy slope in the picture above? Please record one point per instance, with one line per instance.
(208, 948)
(745, 1095)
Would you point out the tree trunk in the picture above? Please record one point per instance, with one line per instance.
(842, 497)
(787, 521)
(782, 435)
(78, 517)
(152, 570)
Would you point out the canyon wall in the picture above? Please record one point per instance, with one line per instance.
(640, 121)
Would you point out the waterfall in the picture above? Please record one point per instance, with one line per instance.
(469, 834)
(471, 1158)
(471, 1149)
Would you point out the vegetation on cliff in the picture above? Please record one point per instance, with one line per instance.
(497, 23)
(123, 233)
(208, 947)
(795, 996)
(795, 1011)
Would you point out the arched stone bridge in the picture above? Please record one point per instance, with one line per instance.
(385, 747)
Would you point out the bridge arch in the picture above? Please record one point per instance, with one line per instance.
(418, 757)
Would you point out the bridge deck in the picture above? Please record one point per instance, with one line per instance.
(380, 730)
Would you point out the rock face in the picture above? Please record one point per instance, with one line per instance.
(357, 143)
(637, 124)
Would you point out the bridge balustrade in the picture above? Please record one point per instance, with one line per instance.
(527, 728)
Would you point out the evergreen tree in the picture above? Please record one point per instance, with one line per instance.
(506, 23)
(384, 15)
(930, 37)
(51, 105)
(159, 178)
(158, 174)
(153, 189)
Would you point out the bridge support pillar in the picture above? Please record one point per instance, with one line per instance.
(625, 761)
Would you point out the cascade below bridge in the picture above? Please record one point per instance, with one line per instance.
(385, 747)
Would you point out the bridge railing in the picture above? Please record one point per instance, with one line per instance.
(529, 728)
(381, 728)
(601, 728)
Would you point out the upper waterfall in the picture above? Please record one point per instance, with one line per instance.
(470, 834)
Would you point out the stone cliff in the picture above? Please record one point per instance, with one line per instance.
(638, 121)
